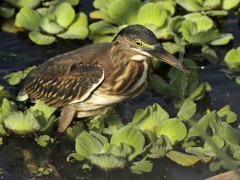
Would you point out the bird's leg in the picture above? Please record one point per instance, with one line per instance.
(66, 118)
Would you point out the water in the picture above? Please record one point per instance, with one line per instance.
(17, 52)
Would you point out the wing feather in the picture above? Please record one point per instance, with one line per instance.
(59, 84)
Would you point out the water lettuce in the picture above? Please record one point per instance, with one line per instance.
(58, 20)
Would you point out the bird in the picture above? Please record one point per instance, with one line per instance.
(88, 81)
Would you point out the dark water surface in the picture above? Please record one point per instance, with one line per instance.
(17, 52)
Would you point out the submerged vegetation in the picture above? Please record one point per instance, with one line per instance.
(190, 136)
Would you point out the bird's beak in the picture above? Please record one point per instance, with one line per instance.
(166, 57)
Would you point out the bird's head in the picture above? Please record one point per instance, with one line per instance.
(142, 42)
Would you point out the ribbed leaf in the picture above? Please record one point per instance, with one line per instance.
(87, 144)
(28, 19)
(41, 39)
(173, 129)
(64, 14)
(230, 4)
(124, 11)
(21, 123)
(107, 161)
(152, 13)
(184, 159)
(222, 40)
(76, 33)
(187, 110)
(141, 167)
(50, 26)
(130, 136)
(232, 58)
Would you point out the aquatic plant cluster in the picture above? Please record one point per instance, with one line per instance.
(108, 142)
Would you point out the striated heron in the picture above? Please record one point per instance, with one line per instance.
(87, 81)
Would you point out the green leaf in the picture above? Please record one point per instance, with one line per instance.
(198, 151)
(24, 3)
(200, 91)
(22, 96)
(28, 19)
(168, 6)
(21, 123)
(50, 26)
(103, 5)
(64, 14)
(159, 85)
(13, 78)
(232, 58)
(141, 167)
(2, 131)
(229, 134)
(213, 144)
(101, 15)
(222, 40)
(188, 29)
(101, 27)
(200, 127)
(41, 106)
(73, 132)
(114, 123)
(80, 20)
(102, 139)
(101, 38)
(41, 39)
(4, 93)
(174, 129)
(123, 151)
(150, 118)
(216, 13)
(230, 4)
(210, 54)
(76, 33)
(190, 5)
(7, 107)
(187, 110)
(107, 161)
(226, 113)
(184, 159)
(6, 12)
(203, 37)
(171, 47)
(75, 156)
(87, 144)
(152, 13)
(159, 148)
(124, 11)
(57, 2)
(203, 23)
(78, 29)
(43, 140)
(212, 4)
(130, 136)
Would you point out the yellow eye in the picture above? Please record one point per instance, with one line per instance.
(138, 43)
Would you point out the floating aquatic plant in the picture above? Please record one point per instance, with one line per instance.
(37, 118)
(198, 29)
(16, 77)
(154, 134)
(181, 85)
(210, 7)
(154, 15)
(232, 59)
(8, 7)
(45, 24)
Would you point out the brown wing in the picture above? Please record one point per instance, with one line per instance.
(59, 84)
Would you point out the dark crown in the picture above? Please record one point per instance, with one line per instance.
(138, 32)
